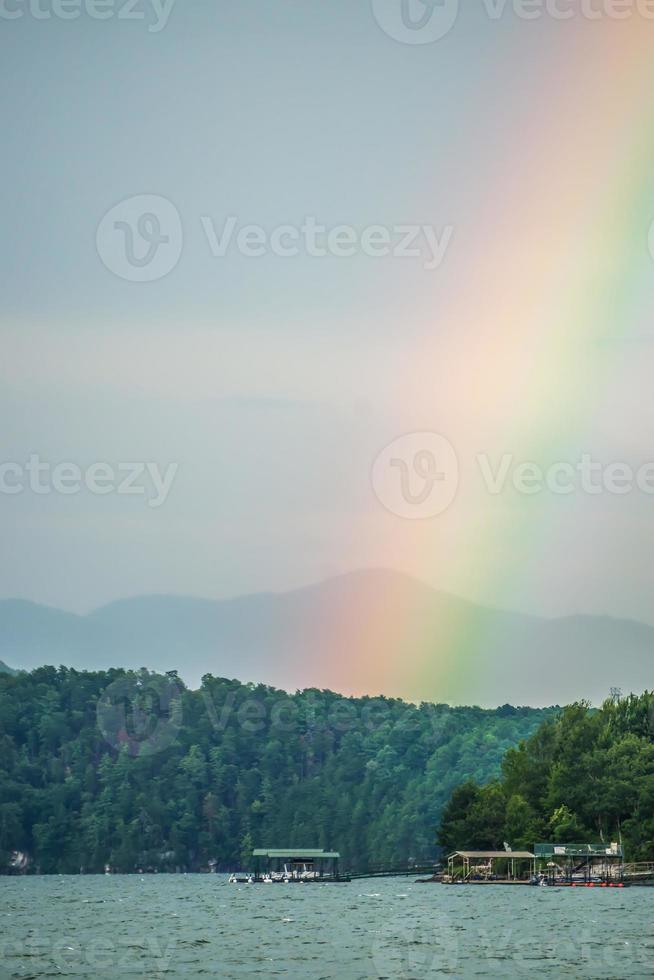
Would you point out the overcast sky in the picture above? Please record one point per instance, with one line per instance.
(270, 383)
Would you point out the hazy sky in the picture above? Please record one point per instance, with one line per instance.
(272, 382)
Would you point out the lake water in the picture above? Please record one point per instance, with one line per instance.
(200, 926)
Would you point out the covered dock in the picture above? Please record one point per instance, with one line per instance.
(580, 863)
(296, 864)
(479, 867)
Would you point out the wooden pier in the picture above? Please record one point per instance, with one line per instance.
(490, 867)
(554, 865)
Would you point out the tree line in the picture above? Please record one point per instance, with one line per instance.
(134, 771)
(585, 775)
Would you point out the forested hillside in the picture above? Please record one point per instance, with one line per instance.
(586, 775)
(133, 770)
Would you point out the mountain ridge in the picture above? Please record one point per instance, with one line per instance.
(365, 632)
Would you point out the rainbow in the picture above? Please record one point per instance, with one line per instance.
(549, 287)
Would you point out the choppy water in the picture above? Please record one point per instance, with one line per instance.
(198, 925)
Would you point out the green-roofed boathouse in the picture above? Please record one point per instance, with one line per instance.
(296, 864)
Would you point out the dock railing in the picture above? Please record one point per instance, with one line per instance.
(396, 871)
(639, 870)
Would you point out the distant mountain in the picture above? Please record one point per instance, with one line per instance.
(4, 669)
(366, 632)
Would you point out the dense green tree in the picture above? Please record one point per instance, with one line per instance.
(586, 775)
(134, 771)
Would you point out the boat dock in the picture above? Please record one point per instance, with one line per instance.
(292, 866)
(549, 864)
